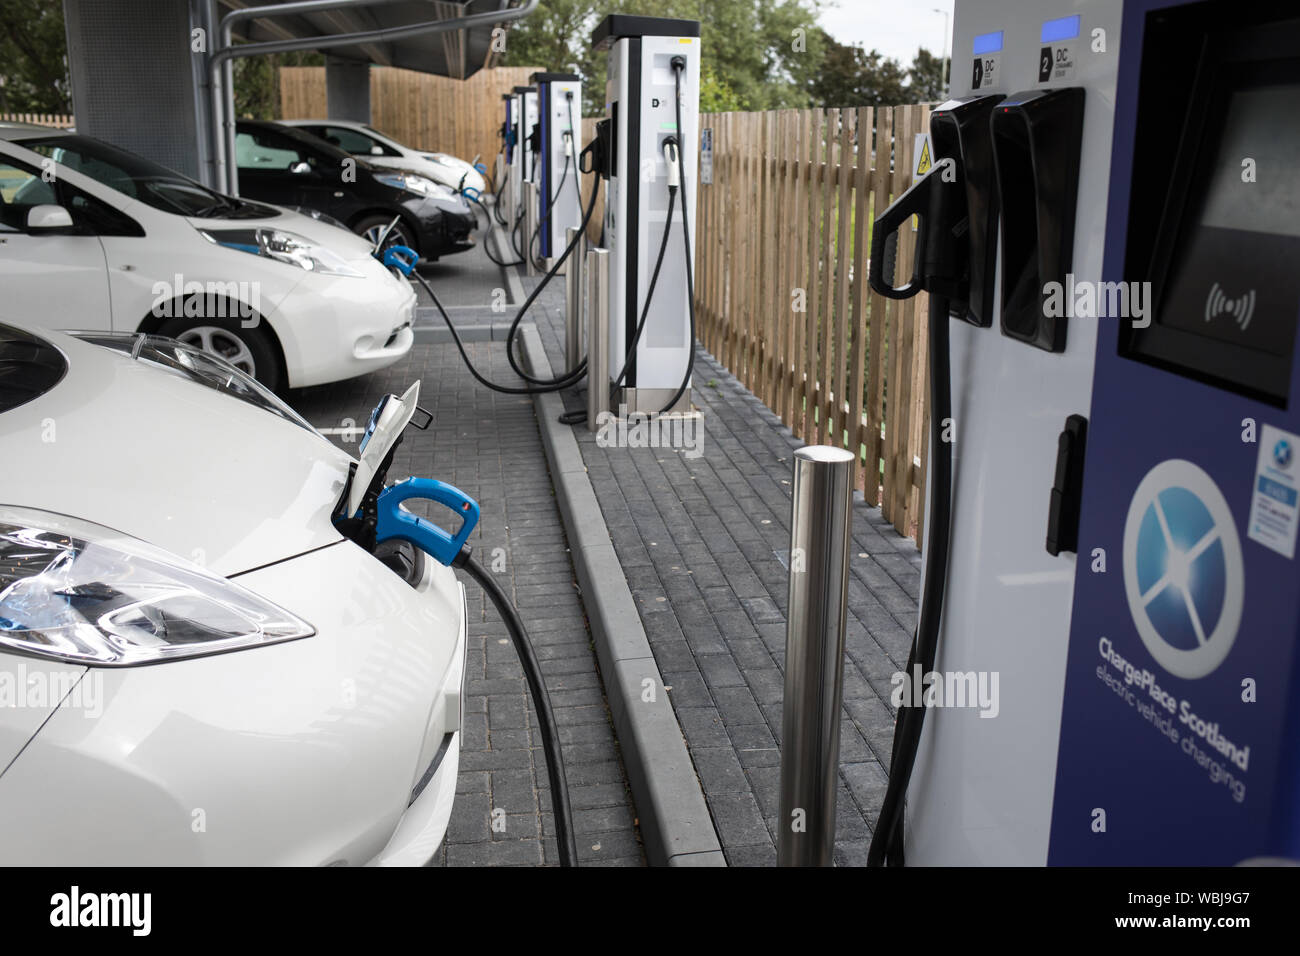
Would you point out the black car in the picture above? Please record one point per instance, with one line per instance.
(288, 167)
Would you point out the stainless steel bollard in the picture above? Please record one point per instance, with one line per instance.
(573, 292)
(597, 270)
(814, 654)
(530, 224)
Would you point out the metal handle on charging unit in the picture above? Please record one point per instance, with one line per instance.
(914, 202)
(396, 522)
(933, 260)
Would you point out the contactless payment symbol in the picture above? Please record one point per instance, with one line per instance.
(1183, 571)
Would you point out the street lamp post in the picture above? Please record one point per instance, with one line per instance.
(943, 47)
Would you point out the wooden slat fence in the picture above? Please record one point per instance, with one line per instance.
(782, 295)
(58, 120)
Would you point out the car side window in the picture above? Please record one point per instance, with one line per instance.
(355, 142)
(259, 149)
(21, 188)
(93, 216)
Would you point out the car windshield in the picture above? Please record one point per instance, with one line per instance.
(29, 367)
(141, 179)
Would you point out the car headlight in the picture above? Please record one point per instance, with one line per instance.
(75, 591)
(282, 246)
(417, 184)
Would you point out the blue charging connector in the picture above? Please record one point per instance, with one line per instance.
(394, 521)
(401, 258)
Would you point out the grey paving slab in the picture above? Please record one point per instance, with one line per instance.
(701, 542)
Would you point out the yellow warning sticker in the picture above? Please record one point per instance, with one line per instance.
(921, 150)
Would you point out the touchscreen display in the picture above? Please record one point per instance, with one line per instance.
(1235, 277)
(1254, 183)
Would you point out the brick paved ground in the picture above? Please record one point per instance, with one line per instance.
(488, 445)
(702, 541)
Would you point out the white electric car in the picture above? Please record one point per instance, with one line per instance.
(95, 237)
(362, 140)
(196, 667)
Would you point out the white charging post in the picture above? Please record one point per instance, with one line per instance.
(523, 117)
(650, 59)
(559, 190)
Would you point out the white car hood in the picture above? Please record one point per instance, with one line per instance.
(204, 475)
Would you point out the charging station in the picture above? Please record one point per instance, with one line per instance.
(559, 183)
(521, 117)
(505, 175)
(651, 161)
(1113, 230)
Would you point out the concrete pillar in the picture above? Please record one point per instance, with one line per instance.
(347, 90)
(133, 81)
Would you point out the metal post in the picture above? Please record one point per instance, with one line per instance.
(573, 297)
(530, 224)
(814, 654)
(597, 336)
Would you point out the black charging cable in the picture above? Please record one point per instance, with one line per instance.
(887, 840)
(546, 725)
(678, 65)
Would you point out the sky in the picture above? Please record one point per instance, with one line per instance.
(897, 28)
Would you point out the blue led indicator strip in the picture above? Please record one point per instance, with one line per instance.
(987, 43)
(1064, 28)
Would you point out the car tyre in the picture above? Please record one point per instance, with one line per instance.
(248, 349)
(370, 227)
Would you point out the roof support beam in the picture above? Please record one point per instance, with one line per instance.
(222, 131)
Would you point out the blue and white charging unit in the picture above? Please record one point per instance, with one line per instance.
(641, 104)
(559, 183)
(506, 169)
(522, 117)
(1125, 398)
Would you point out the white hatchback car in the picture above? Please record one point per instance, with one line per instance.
(362, 140)
(94, 237)
(196, 667)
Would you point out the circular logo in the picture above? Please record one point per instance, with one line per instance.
(1183, 571)
(1282, 453)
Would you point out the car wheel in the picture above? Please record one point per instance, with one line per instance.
(371, 227)
(247, 349)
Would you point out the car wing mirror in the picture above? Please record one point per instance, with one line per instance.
(376, 150)
(48, 216)
(300, 168)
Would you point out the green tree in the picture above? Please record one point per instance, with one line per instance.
(851, 76)
(761, 53)
(33, 65)
(715, 95)
(927, 77)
